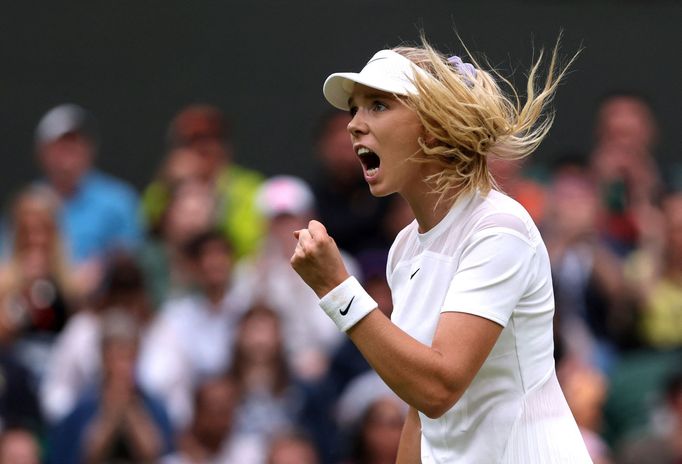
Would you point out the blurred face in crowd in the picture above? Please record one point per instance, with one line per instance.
(259, 337)
(381, 429)
(575, 205)
(214, 265)
(18, 447)
(204, 130)
(626, 121)
(184, 164)
(213, 153)
(191, 211)
(214, 412)
(292, 451)
(66, 160)
(35, 224)
(36, 238)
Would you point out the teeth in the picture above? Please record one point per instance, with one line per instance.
(363, 151)
(372, 172)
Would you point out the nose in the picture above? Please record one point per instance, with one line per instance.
(357, 125)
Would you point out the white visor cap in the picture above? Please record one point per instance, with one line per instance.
(387, 70)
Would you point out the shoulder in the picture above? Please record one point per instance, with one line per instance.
(106, 184)
(241, 177)
(179, 307)
(497, 213)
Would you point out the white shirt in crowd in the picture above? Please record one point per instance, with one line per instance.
(190, 340)
(486, 258)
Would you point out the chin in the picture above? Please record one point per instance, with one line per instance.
(379, 192)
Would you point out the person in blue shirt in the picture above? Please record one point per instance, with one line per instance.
(99, 213)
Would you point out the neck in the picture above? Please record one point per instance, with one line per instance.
(215, 294)
(423, 201)
(428, 211)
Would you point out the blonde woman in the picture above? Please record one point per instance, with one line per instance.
(36, 279)
(469, 345)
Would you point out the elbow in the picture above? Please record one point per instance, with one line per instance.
(436, 411)
(438, 403)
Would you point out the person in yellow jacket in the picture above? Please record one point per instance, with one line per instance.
(200, 148)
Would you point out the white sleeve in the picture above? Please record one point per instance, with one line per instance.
(493, 274)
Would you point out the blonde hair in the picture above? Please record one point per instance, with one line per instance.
(467, 117)
(37, 201)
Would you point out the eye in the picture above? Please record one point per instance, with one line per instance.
(353, 110)
(379, 106)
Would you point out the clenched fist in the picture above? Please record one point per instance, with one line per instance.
(317, 259)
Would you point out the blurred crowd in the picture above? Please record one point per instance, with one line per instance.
(166, 325)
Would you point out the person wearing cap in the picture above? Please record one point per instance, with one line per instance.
(469, 345)
(201, 134)
(99, 213)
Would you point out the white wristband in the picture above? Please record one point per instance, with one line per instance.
(347, 304)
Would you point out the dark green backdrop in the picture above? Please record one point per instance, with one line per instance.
(134, 63)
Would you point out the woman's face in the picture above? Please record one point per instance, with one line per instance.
(385, 134)
(35, 227)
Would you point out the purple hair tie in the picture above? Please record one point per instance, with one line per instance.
(466, 69)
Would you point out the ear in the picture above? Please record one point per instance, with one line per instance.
(429, 139)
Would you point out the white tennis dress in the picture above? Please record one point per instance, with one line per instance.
(486, 257)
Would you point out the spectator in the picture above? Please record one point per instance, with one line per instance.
(204, 131)
(192, 337)
(624, 165)
(37, 281)
(118, 421)
(662, 446)
(98, 214)
(588, 276)
(655, 275)
(292, 448)
(351, 214)
(75, 361)
(38, 273)
(309, 336)
(18, 446)
(191, 210)
(269, 395)
(585, 389)
(373, 417)
(211, 437)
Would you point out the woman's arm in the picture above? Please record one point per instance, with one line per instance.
(409, 451)
(430, 379)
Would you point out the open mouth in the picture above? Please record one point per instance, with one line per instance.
(370, 161)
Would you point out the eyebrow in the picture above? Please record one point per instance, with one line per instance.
(374, 95)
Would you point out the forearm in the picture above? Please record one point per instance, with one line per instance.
(409, 451)
(142, 433)
(100, 436)
(415, 372)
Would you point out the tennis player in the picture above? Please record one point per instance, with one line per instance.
(469, 345)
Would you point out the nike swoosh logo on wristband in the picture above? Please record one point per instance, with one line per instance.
(345, 311)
